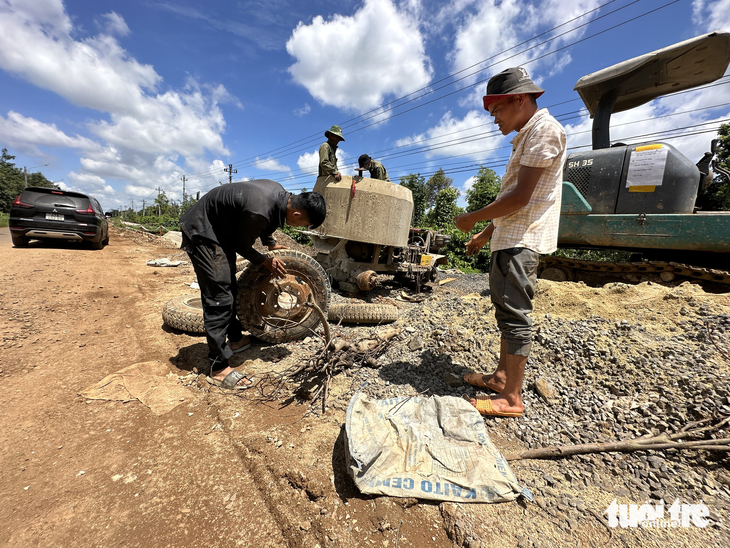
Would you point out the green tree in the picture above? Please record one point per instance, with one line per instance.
(163, 205)
(435, 184)
(417, 185)
(717, 195)
(484, 190)
(445, 209)
(12, 181)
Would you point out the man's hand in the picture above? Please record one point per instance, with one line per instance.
(478, 241)
(464, 222)
(338, 177)
(277, 246)
(275, 266)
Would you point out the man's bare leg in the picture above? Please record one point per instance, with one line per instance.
(509, 399)
(236, 345)
(495, 381)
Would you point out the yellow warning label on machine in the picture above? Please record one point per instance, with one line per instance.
(646, 188)
(426, 260)
(648, 147)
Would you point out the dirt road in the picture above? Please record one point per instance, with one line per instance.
(217, 470)
(80, 472)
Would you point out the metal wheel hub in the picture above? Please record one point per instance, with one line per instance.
(282, 299)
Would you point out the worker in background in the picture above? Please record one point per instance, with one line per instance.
(328, 153)
(525, 218)
(225, 221)
(376, 169)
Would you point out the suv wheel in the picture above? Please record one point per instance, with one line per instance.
(19, 241)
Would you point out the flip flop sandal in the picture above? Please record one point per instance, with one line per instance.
(484, 406)
(479, 384)
(231, 381)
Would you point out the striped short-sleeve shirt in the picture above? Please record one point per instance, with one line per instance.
(540, 143)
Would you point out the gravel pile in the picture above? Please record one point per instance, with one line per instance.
(588, 380)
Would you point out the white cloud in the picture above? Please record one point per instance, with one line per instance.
(270, 164)
(473, 136)
(468, 184)
(711, 15)
(144, 132)
(115, 24)
(487, 30)
(309, 161)
(302, 111)
(354, 62)
(27, 134)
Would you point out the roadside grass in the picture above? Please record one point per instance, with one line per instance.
(4, 219)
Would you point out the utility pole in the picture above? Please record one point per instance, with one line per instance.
(159, 191)
(25, 173)
(183, 180)
(143, 201)
(230, 172)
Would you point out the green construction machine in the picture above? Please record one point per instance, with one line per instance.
(641, 198)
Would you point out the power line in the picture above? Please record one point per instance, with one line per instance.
(379, 110)
(492, 64)
(465, 139)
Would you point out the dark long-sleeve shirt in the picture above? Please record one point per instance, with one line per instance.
(234, 215)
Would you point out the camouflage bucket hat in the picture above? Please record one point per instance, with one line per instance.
(334, 130)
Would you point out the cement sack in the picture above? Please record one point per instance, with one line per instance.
(428, 448)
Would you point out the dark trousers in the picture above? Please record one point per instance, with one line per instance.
(216, 272)
(512, 280)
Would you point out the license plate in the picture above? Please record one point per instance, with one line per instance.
(54, 217)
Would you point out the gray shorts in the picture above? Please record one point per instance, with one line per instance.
(512, 280)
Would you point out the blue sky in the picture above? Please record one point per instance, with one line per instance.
(123, 98)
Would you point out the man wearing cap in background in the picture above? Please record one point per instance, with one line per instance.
(328, 153)
(376, 169)
(525, 218)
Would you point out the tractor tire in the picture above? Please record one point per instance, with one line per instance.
(362, 313)
(274, 310)
(184, 313)
(19, 241)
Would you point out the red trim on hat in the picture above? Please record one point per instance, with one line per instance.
(489, 99)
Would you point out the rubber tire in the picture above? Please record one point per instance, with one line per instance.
(252, 275)
(184, 313)
(97, 245)
(362, 313)
(19, 241)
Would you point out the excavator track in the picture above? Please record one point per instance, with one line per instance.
(561, 270)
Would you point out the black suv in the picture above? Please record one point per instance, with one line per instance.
(46, 213)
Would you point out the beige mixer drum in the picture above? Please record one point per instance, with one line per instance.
(380, 212)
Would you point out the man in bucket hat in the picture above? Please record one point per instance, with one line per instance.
(524, 218)
(328, 153)
(376, 169)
